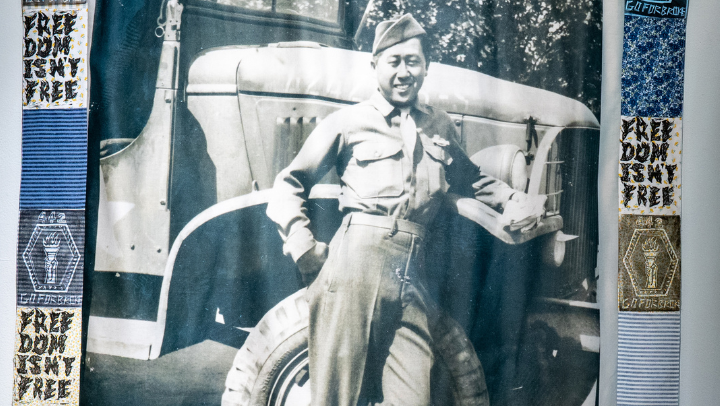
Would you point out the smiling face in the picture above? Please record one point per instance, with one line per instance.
(400, 71)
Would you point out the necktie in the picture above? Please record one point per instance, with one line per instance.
(409, 132)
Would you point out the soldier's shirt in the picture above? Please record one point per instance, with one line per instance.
(364, 142)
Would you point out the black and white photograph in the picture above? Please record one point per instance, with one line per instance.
(340, 203)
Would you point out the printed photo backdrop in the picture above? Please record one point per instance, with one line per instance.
(197, 105)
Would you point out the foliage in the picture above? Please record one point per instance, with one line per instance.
(551, 44)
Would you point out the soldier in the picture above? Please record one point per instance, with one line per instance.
(370, 316)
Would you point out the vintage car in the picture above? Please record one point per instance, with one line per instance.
(186, 253)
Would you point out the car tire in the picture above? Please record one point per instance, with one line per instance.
(271, 367)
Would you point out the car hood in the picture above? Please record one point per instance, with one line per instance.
(310, 70)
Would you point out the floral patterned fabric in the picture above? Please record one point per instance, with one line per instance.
(652, 67)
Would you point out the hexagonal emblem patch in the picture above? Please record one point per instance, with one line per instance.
(649, 275)
(651, 262)
(51, 263)
(50, 257)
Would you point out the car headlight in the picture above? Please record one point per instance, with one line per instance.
(505, 162)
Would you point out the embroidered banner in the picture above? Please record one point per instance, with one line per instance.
(649, 274)
(54, 57)
(51, 233)
(47, 356)
(656, 8)
(650, 172)
(50, 258)
(650, 202)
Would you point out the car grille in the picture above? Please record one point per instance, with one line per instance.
(290, 134)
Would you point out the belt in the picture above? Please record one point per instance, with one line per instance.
(390, 223)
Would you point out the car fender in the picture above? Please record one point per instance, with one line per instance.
(253, 204)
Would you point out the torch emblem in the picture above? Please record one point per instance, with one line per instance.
(51, 256)
(650, 251)
(51, 245)
(650, 262)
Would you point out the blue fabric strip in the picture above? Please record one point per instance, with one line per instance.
(54, 160)
(648, 371)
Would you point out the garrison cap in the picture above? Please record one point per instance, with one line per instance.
(391, 32)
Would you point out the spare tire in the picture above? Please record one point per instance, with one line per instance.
(271, 368)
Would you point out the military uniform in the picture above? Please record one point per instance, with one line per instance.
(370, 327)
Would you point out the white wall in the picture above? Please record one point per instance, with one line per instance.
(607, 207)
(11, 35)
(700, 348)
(700, 317)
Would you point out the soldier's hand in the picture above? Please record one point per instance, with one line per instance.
(523, 212)
(312, 261)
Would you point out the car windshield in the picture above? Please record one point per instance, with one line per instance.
(326, 10)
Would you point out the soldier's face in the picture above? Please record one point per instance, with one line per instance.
(401, 70)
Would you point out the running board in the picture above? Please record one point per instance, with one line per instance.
(121, 337)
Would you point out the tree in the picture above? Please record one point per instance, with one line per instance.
(552, 44)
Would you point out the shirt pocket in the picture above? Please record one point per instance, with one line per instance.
(378, 170)
(438, 159)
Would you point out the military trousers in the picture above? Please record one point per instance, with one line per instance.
(369, 338)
